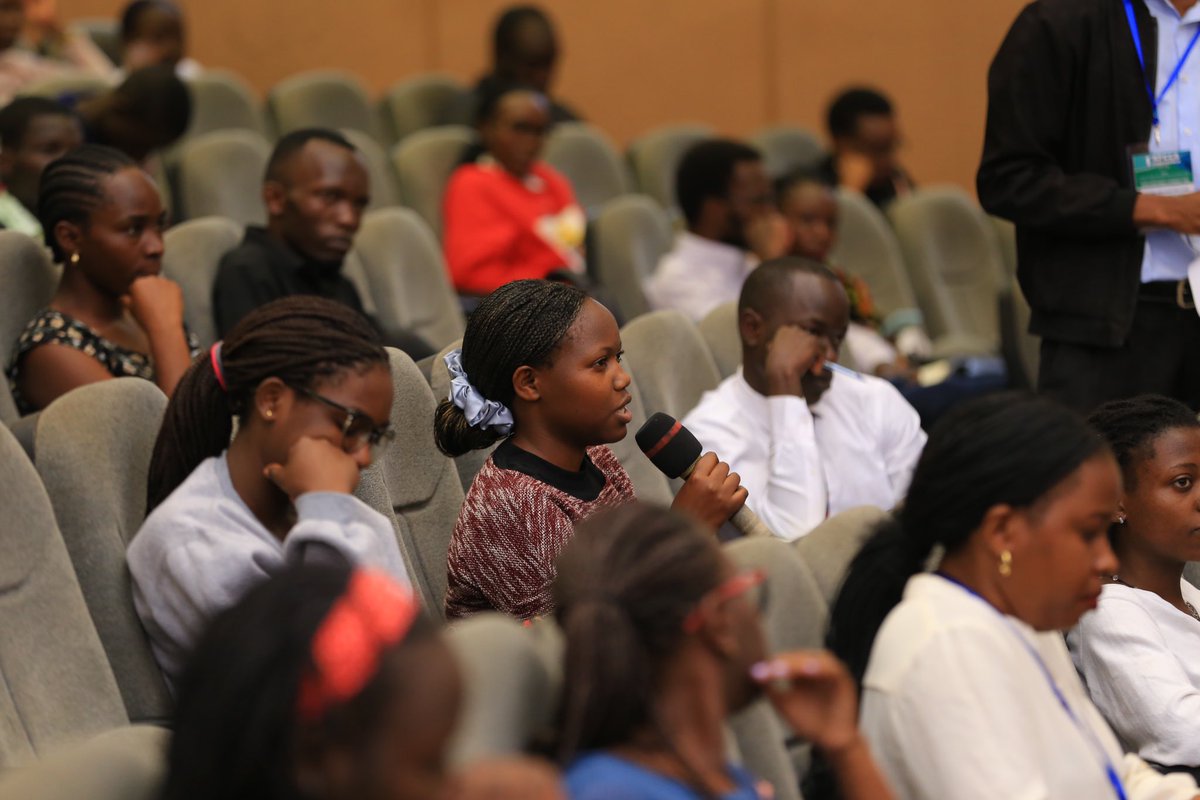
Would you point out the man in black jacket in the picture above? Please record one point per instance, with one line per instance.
(1067, 104)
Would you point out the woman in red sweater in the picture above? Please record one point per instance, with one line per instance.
(506, 214)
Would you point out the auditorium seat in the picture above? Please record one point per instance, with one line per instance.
(669, 362)
(787, 148)
(407, 276)
(588, 159)
(513, 677)
(321, 99)
(29, 281)
(795, 618)
(384, 193)
(422, 484)
(418, 103)
(424, 162)
(105, 33)
(57, 684)
(221, 174)
(829, 548)
(654, 157)
(1006, 240)
(720, 331)
(1192, 573)
(867, 247)
(120, 764)
(954, 263)
(222, 100)
(1021, 349)
(191, 253)
(629, 236)
(93, 451)
(66, 83)
(467, 464)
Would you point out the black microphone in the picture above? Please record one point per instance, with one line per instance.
(675, 450)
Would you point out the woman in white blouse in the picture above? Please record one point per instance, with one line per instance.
(969, 691)
(1140, 652)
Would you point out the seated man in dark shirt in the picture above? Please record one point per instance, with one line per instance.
(866, 139)
(315, 191)
(524, 53)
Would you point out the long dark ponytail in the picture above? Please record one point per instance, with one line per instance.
(296, 339)
(1006, 448)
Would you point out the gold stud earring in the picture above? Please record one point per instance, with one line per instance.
(1005, 564)
(74, 258)
(269, 413)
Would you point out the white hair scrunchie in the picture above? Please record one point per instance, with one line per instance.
(479, 411)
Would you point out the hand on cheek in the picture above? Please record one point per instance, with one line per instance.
(314, 465)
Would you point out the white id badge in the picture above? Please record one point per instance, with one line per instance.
(1167, 173)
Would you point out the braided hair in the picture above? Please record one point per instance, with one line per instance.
(1130, 427)
(297, 339)
(72, 187)
(520, 324)
(626, 581)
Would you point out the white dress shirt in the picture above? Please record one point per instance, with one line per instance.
(955, 705)
(698, 275)
(857, 446)
(1140, 659)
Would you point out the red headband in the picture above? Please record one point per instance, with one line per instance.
(373, 614)
(214, 356)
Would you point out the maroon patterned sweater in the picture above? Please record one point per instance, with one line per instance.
(511, 529)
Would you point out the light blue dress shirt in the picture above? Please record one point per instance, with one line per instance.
(1168, 253)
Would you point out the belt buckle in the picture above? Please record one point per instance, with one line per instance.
(1183, 295)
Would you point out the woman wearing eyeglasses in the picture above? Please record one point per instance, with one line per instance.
(663, 642)
(310, 388)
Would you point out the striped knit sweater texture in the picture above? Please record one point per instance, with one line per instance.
(509, 533)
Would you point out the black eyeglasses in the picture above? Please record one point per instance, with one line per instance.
(358, 429)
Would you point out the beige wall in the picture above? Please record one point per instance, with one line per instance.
(632, 64)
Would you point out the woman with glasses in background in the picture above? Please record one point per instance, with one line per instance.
(310, 387)
(663, 643)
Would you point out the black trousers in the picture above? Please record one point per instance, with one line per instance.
(1161, 356)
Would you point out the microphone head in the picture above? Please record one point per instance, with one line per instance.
(669, 446)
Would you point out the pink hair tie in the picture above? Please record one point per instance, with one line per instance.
(372, 615)
(214, 355)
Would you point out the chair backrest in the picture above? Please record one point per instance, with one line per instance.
(1006, 241)
(93, 452)
(422, 483)
(222, 100)
(66, 83)
(669, 361)
(424, 162)
(55, 683)
(1192, 573)
(829, 548)
(720, 331)
(439, 380)
(321, 99)
(407, 275)
(29, 281)
(1021, 349)
(127, 763)
(379, 169)
(787, 148)
(953, 259)
(630, 235)
(192, 252)
(654, 158)
(513, 677)
(418, 103)
(221, 174)
(867, 247)
(649, 484)
(105, 32)
(590, 162)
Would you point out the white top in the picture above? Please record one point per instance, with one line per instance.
(1140, 659)
(956, 706)
(856, 447)
(202, 549)
(698, 275)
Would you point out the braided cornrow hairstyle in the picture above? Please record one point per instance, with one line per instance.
(297, 339)
(72, 187)
(625, 583)
(520, 324)
(1130, 427)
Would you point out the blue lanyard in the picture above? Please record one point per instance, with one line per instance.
(1137, 45)
(1109, 769)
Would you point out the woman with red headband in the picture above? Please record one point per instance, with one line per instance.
(310, 388)
(326, 683)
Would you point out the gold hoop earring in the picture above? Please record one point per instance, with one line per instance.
(1005, 564)
(74, 258)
